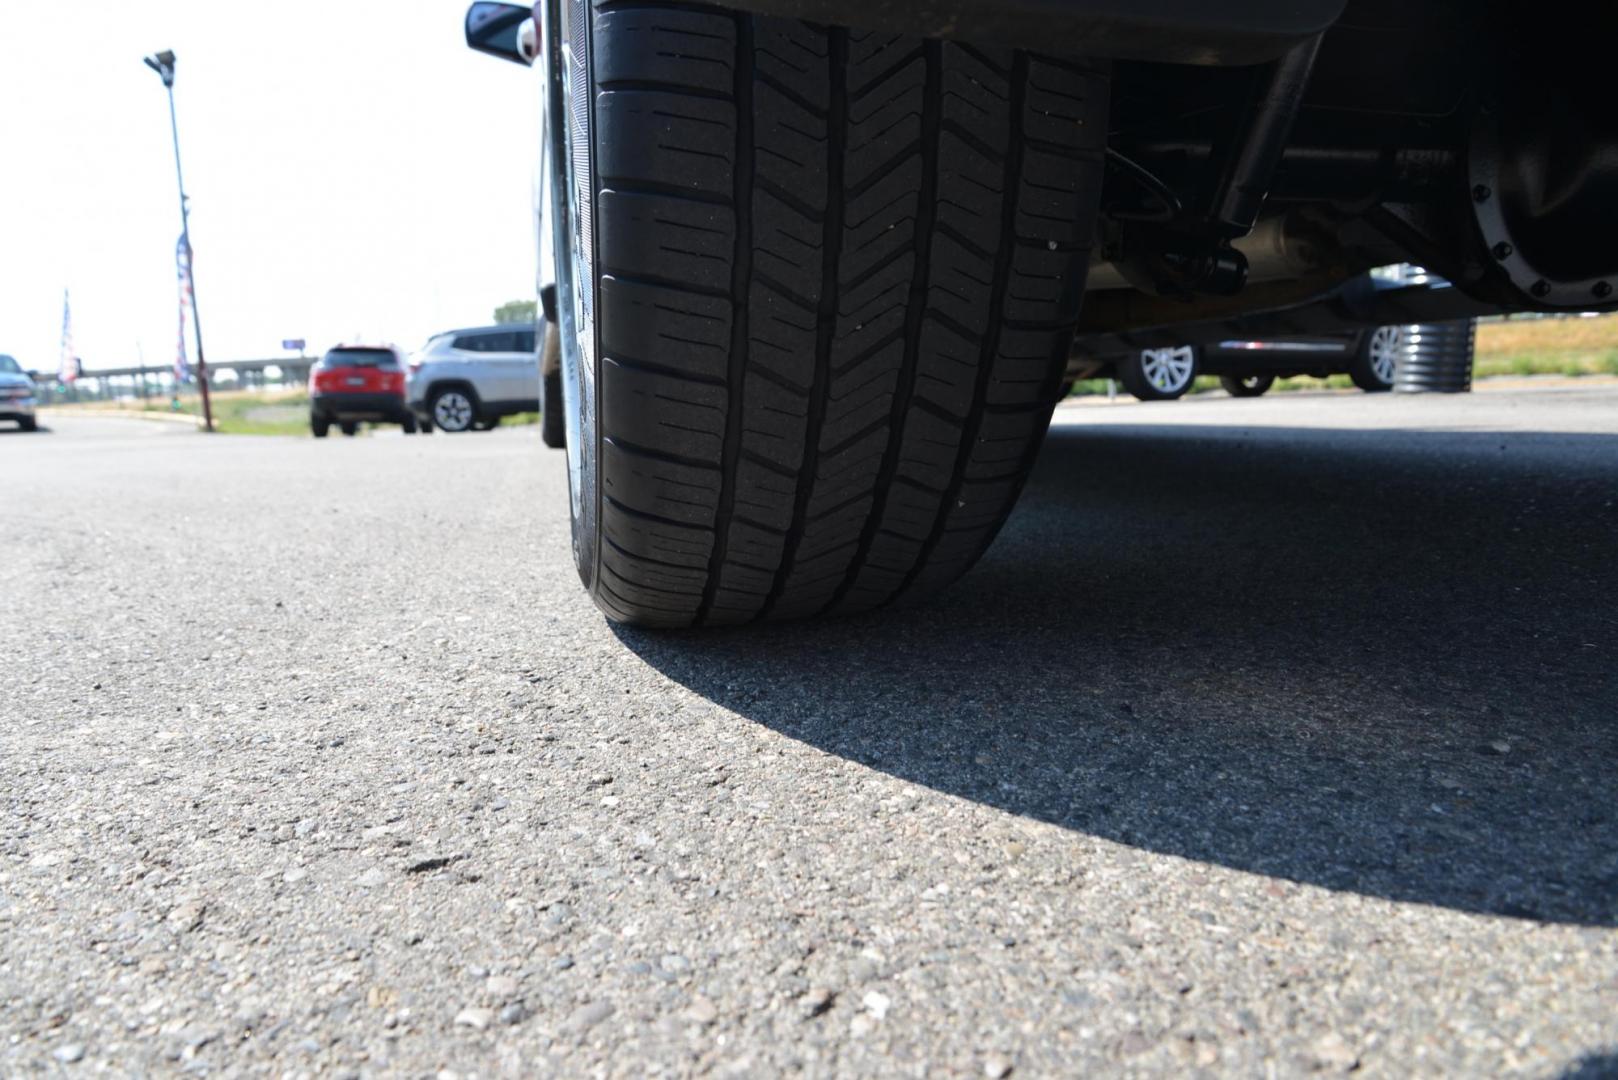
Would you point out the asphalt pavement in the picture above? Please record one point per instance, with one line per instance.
(1271, 737)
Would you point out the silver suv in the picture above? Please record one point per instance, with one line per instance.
(16, 394)
(467, 380)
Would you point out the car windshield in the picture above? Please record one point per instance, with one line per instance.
(359, 358)
(9, 366)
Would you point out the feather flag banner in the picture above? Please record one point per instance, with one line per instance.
(67, 369)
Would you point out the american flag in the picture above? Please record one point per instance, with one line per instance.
(68, 369)
(182, 262)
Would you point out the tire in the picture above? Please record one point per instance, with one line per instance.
(1064, 391)
(1247, 385)
(349, 428)
(1164, 374)
(319, 426)
(409, 425)
(816, 308)
(1375, 359)
(453, 410)
(28, 423)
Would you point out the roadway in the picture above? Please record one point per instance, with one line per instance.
(1271, 736)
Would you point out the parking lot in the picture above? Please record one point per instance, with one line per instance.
(1271, 736)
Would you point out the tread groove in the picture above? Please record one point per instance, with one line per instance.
(797, 205)
(653, 454)
(826, 312)
(651, 368)
(647, 516)
(740, 280)
(657, 282)
(661, 87)
(636, 185)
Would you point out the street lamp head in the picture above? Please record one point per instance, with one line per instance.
(163, 64)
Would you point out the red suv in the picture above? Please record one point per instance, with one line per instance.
(352, 383)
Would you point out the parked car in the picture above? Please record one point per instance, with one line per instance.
(17, 399)
(1249, 368)
(353, 384)
(468, 380)
(819, 263)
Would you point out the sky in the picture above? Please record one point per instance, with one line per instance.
(354, 172)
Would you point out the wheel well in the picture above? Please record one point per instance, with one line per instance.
(438, 386)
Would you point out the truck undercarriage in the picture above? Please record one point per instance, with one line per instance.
(1261, 155)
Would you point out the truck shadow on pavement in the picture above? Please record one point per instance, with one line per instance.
(1381, 662)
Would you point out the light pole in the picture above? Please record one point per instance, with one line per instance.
(163, 64)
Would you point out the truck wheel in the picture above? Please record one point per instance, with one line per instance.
(1159, 374)
(319, 426)
(1375, 359)
(1247, 385)
(350, 427)
(817, 292)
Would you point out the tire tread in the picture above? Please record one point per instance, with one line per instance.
(838, 275)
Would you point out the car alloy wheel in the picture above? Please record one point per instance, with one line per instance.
(1169, 370)
(1384, 352)
(452, 411)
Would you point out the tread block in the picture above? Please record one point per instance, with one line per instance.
(666, 236)
(793, 55)
(1044, 287)
(1022, 369)
(786, 292)
(776, 426)
(1052, 192)
(947, 373)
(1066, 105)
(634, 588)
(680, 492)
(665, 325)
(790, 149)
(696, 49)
(649, 539)
(662, 413)
(684, 141)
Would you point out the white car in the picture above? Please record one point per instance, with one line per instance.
(467, 380)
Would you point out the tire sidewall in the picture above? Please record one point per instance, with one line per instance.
(571, 186)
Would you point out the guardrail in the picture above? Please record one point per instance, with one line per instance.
(113, 384)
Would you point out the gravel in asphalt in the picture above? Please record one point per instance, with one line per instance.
(1271, 737)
